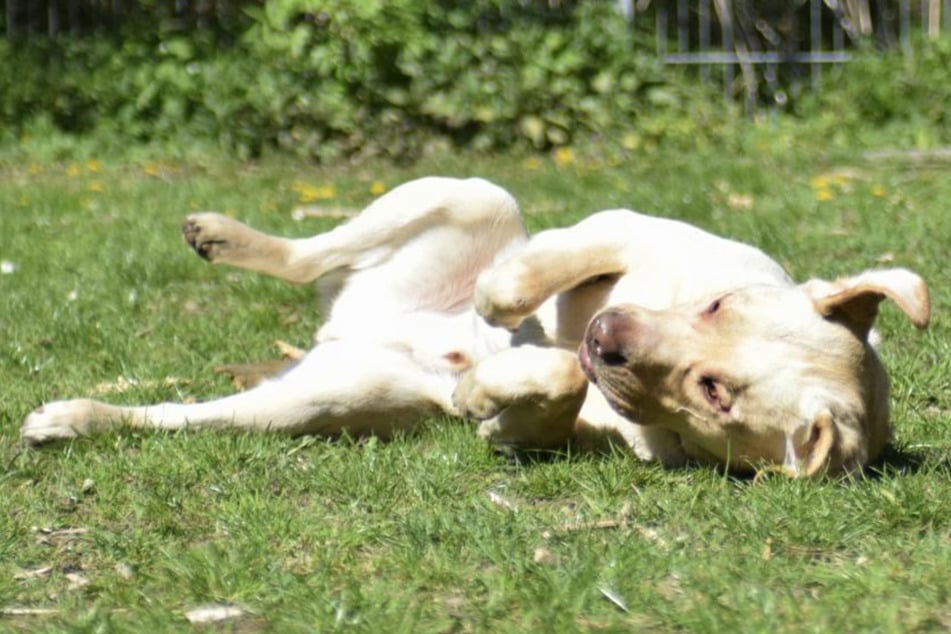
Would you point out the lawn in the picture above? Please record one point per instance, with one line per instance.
(435, 532)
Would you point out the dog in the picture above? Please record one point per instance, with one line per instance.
(622, 329)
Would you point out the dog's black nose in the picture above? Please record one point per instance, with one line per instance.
(603, 338)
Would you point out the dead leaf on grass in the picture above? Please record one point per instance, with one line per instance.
(498, 500)
(544, 556)
(59, 536)
(123, 384)
(288, 350)
(76, 580)
(739, 202)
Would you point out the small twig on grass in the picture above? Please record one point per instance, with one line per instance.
(36, 573)
(583, 526)
(614, 598)
(314, 211)
(27, 611)
(213, 613)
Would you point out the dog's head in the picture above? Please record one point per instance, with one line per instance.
(761, 374)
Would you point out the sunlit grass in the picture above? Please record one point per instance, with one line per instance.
(435, 532)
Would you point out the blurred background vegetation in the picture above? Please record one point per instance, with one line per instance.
(332, 79)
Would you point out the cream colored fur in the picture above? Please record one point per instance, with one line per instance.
(624, 328)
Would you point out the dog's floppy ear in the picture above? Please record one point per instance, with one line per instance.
(821, 445)
(826, 448)
(854, 300)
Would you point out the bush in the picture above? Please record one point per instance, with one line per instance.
(327, 79)
(332, 78)
(904, 95)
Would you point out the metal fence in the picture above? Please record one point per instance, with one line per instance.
(760, 50)
(23, 18)
(778, 45)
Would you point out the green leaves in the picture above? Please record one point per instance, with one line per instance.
(329, 78)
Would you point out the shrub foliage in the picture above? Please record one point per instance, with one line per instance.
(332, 78)
(325, 79)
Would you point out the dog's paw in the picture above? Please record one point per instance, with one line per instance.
(472, 400)
(59, 420)
(211, 235)
(501, 296)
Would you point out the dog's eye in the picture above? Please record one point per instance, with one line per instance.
(713, 307)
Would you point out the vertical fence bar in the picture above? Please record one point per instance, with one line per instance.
(726, 34)
(73, 13)
(703, 11)
(683, 27)
(661, 34)
(904, 20)
(52, 17)
(838, 34)
(815, 36)
(11, 16)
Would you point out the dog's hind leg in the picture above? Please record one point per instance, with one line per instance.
(339, 386)
(476, 218)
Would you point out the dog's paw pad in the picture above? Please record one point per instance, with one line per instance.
(207, 233)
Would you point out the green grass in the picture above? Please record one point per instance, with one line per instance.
(434, 532)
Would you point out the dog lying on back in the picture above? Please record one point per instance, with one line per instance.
(623, 328)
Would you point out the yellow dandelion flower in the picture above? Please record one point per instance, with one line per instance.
(72, 170)
(326, 191)
(532, 164)
(878, 191)
(841, 179)
(564, 156)
(819, 182)
(93, 165)
(823, 194)
(377, 188)
(35, 168)
(95, 186)
(307, 193)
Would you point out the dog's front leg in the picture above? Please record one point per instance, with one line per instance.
(527, 397)
(553, 262)
(339, 386)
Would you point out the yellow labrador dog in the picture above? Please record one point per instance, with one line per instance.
(697, 347)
